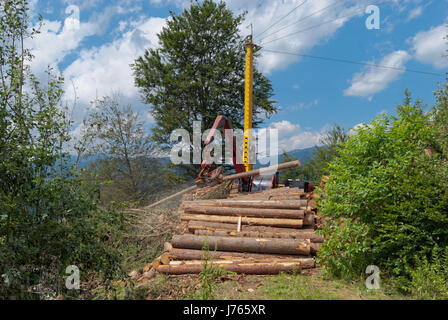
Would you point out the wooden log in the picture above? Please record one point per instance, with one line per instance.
(289, 223)
(193, 254)
(238, 267)
(190, 189)
(246, 212)
(255, 234)
(300, 195)
(264, 204)
(314, 247)
(266, 170)
(239, 244)
(165, 258)
(305, 262)
(312, 204)
(206, 225)
(308, 220)
(284, 198)
(167, 247)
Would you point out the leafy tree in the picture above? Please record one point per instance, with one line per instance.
(439, 116)
(48, 219)
(128, 167)
(198, 72)
(386, 197)
(317, 165)
(291, 173)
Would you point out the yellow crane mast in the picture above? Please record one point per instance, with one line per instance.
(248, 102)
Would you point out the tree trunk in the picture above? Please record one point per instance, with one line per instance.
(192, 254)
(291, 223)
(247, 212)
(263, 204)
(238, 244)
(255, 234)
(238, 267)
(205, 225)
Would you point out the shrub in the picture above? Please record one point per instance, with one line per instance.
(429, 280)
(385, 182)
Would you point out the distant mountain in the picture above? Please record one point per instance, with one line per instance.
(302, 154)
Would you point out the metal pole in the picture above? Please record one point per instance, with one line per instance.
(248, 101)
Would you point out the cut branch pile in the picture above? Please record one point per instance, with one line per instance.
(255, 233)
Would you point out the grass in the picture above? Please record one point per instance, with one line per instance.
(298, 287)
(293, 287)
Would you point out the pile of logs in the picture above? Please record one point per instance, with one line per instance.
(256, 233)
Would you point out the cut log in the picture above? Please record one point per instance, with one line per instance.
(289, 223)
(283, 198)
(312, 204)
(167, 247)
(246, 212)
(238, 267)
(205, 225)
(263, 204)
(192, 254)
(255, 234)
(308, 220)
(305, 263)
(314, 247)
(238, 244)
(165, 258)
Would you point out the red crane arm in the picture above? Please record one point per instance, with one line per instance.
(221, 122)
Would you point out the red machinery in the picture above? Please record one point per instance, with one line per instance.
(210, 173)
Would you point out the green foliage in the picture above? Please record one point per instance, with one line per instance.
(209, 274)
(385, 182)
(317, 166)
(128, 167)
(429, 280)
(292, 287)
(439, 116)
(291, 173)
(198, 72)
(48, 216)
(344, 254)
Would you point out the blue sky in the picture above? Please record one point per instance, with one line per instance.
(94, 55)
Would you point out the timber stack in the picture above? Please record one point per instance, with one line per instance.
(266, 232)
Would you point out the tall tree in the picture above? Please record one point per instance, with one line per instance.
(198, 72)
(317, 166)
(127, 159)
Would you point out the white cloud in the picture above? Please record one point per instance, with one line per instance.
(377, 79)
(415, 13)
(304, 106)
(106, 69)
(291, 137)
(430, 46)
(303, 35)
(310, 30)
(55, 41)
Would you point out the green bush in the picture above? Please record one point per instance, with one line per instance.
(429, 280)
(390, 191)
(344, 253)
